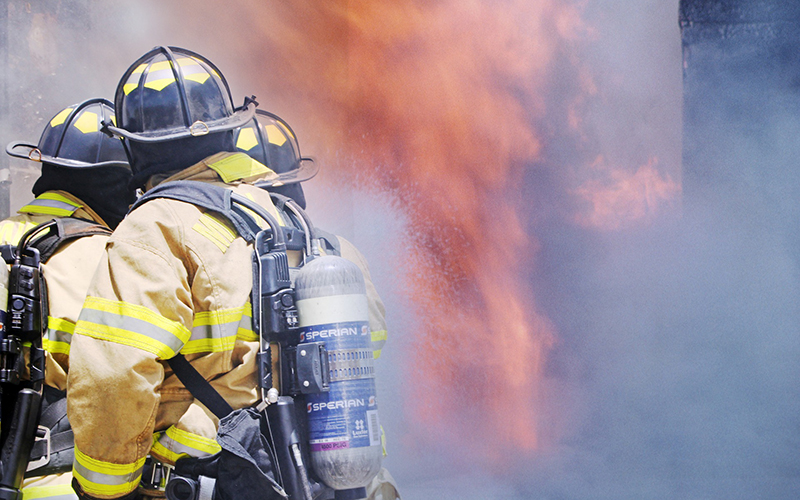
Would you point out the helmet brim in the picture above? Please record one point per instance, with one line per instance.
(198, 129)
(30, 152)
(307, 170)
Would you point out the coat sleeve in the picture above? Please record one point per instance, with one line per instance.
(138, 311)
(377, 311)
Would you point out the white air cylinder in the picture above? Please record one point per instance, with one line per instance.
(344, 430)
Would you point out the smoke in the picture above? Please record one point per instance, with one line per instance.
(560, 327)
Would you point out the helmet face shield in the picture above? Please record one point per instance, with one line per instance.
(269, 140)
(73, 139)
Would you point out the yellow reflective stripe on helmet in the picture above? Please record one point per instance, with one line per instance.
(193, 70)
(238, 166)
(198, 77)
(60, 118)
(59, 335)
(275, 135)
(52, 492)
(214, 331)
(99, 478)
(247, 139)
(11, 231)
(215, 230)
(87, 122)
(159, 76)
(132, 325)
(51, 204)
(133, 80)
(176, 443)
(159, 84)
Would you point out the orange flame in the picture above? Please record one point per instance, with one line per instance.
(434, 101)
(622, 199)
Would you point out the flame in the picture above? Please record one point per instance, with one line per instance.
(621, 198)
(439, 109)
(436, 102)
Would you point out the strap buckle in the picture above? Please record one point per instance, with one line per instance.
(42, 434)
(155, 475)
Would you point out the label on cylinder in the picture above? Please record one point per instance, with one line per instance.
(347, 415)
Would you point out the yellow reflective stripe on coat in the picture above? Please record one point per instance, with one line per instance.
(59, 335)
(52, 492)
(132, 325)
(246, 331)
(51, 204)
(11, 231)
(98, 478)
(214, 331)
(238, 166)
(378, 341)
(176, 443)
(215, 230)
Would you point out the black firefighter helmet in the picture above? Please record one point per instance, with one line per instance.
(73, 139)
(173, 109)
(270, 140)
(77, 157)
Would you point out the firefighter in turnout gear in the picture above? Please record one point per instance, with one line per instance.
(83, 187)
(175, 278)
(271, 141)
(175, 283)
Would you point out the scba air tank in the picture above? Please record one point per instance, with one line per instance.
(344, 431)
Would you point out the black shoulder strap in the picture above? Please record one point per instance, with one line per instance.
(211, 197)
(63, 230)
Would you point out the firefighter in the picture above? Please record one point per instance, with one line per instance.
(84, 177)
(271, 141)
(174, 278)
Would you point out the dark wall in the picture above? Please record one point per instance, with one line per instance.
(742, 108)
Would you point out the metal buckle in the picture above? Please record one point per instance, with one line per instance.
(41, 462)
(158, 475)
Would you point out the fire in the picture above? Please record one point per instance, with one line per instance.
(437, 103)
(438, 108)
(620, 199)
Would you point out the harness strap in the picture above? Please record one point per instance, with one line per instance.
(331, 242)
(64, 230)
(210, 197)
(59, 445)
(199, 386)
